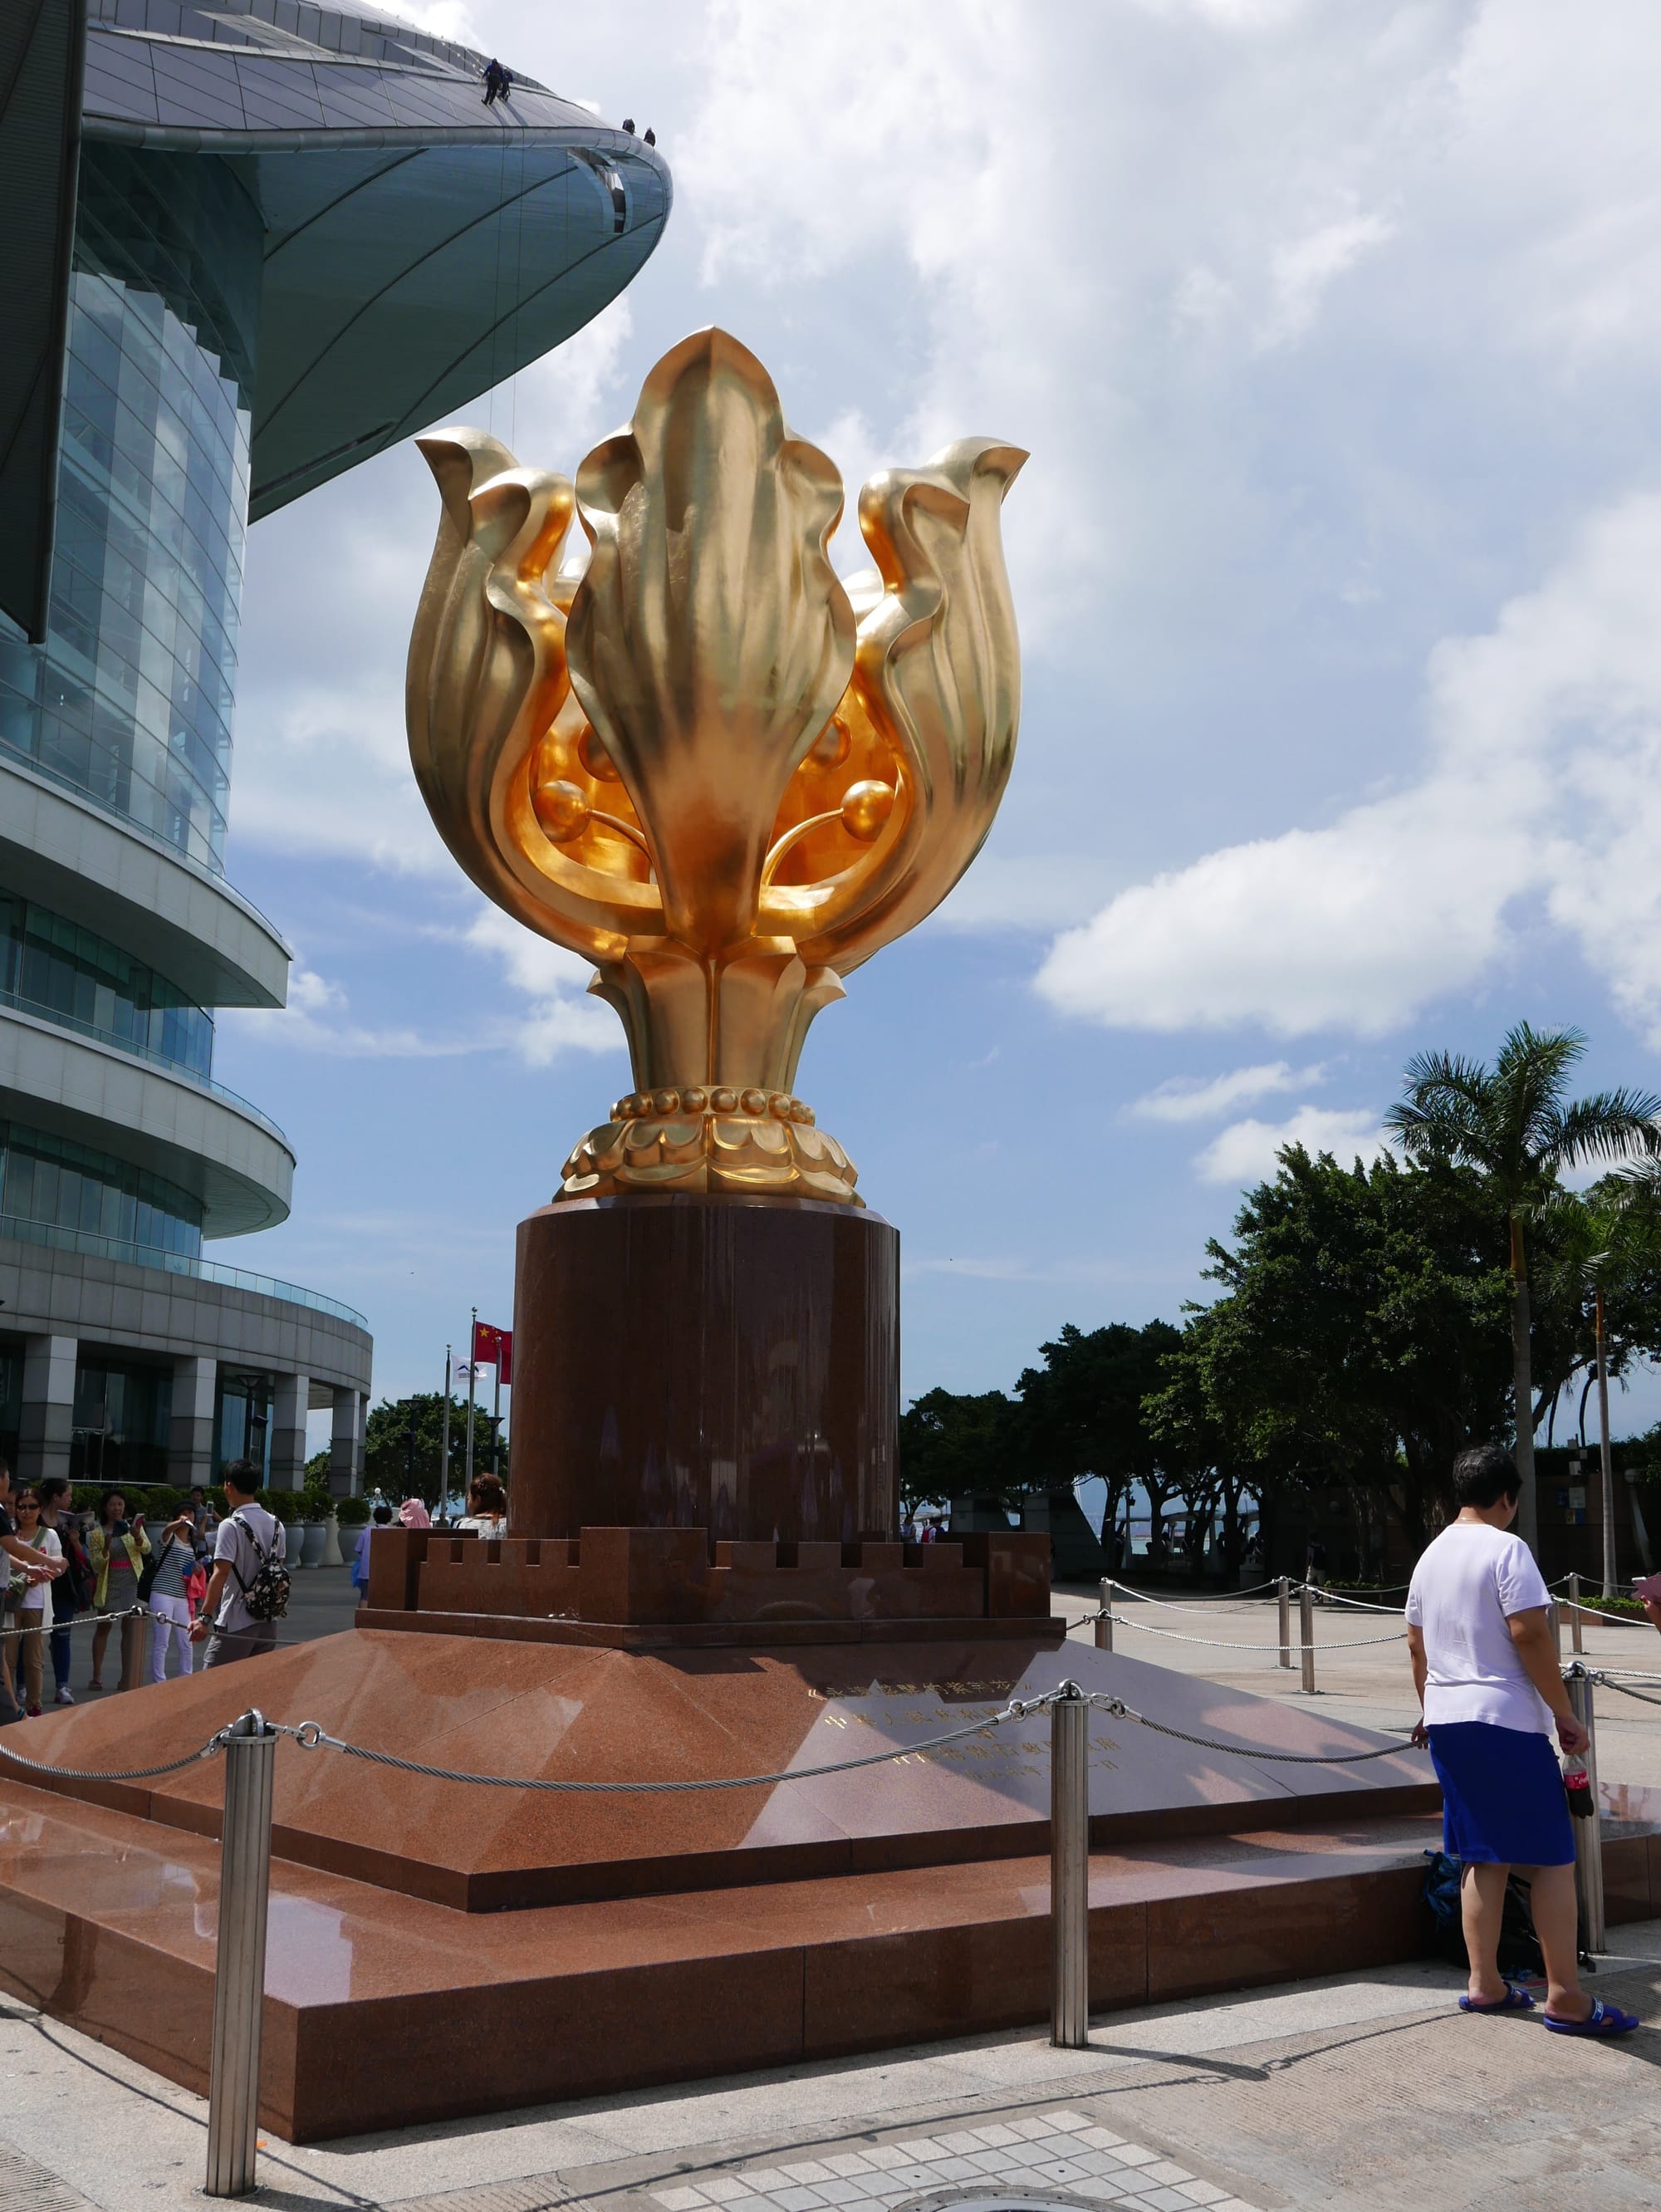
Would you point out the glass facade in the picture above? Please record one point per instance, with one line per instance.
(122, 1423)
(55, 968)
(45, 1181)
(129, 700)
(244, 1427)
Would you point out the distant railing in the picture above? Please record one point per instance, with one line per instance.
(173, 1263)
(176, 1068)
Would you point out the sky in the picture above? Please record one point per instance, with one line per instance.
(1331, 330)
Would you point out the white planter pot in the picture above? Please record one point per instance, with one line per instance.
(346, 1542)
(314, 1535)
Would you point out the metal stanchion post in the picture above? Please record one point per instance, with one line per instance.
(1285, 1622)
(132, 1652)
(1554, 1617)
(1575, 1614)
(1105, 1623)
(1306, 1632)
(244, 1876)
(1070, 1869)
(1588, 1835)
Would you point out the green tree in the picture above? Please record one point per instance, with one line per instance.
(1602, 1272)
(1360, 1337)
(1080, 1414)
(954, 1444)
(1512, 1128)
(394, 1460)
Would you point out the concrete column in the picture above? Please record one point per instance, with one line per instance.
(288, 1431)
(48, 1408)
(346, 1444)
(190, 1441)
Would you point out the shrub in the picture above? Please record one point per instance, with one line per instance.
(352, 1512)
(282, 1504)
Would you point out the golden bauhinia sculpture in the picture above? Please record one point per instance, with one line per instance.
(686, 750)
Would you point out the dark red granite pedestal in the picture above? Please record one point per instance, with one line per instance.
(728, 1363)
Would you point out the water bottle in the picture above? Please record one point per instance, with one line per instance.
(1578, 1783)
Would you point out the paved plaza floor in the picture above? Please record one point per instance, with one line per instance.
(1367, 2094)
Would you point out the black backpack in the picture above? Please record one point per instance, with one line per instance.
(76, 1581)
(1520, 1946)
(267, 1595)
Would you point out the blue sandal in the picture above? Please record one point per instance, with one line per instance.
(1601, 2019)
(1514, 2000)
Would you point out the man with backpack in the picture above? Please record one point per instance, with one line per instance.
(248, 1589)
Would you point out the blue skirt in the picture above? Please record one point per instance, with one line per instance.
(1503, 1800)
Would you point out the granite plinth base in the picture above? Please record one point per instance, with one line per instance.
(566, 1712)
(684, 1587)
(437, 1947)
(725, 1363)
(386, 2011)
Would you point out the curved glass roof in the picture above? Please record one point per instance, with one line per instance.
(419, 246)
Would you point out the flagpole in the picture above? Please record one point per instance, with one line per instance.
(496, 1414)
(443, 1449)
(472, 1385)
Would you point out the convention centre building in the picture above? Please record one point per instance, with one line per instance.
(247, 245)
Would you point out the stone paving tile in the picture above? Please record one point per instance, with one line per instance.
(1028, 2154)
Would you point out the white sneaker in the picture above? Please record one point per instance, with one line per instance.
(65, 1696)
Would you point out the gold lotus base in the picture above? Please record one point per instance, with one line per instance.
(702, 1139)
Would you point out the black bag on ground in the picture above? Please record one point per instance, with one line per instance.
(1520, 1946)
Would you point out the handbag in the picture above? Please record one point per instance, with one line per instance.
(151, 1570)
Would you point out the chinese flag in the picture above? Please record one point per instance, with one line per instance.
(493, 1348)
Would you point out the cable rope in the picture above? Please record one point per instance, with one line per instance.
(1357, 1604)
(1218, 1644)
(1120, 1709)
(214, 1743)
(311, 1736)
(1202, 1612)
(1626, 1689)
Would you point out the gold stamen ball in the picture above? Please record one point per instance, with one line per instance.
(561, 810)
(865, 807)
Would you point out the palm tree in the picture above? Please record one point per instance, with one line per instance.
(1510, 1124)
(1604, 1244)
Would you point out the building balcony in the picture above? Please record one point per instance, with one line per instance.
(201, 1138)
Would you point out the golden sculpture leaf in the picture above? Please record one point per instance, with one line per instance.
(685, 759)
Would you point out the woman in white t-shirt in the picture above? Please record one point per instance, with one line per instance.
(487, 1507)
(30, 1634)
(1485, 1666)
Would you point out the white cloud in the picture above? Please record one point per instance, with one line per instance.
(1199, 1099)
(1026, 891)
(315, 1019)
(560, 1018)
(1246, 1151)
(1300, 272)
(1542, 778)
